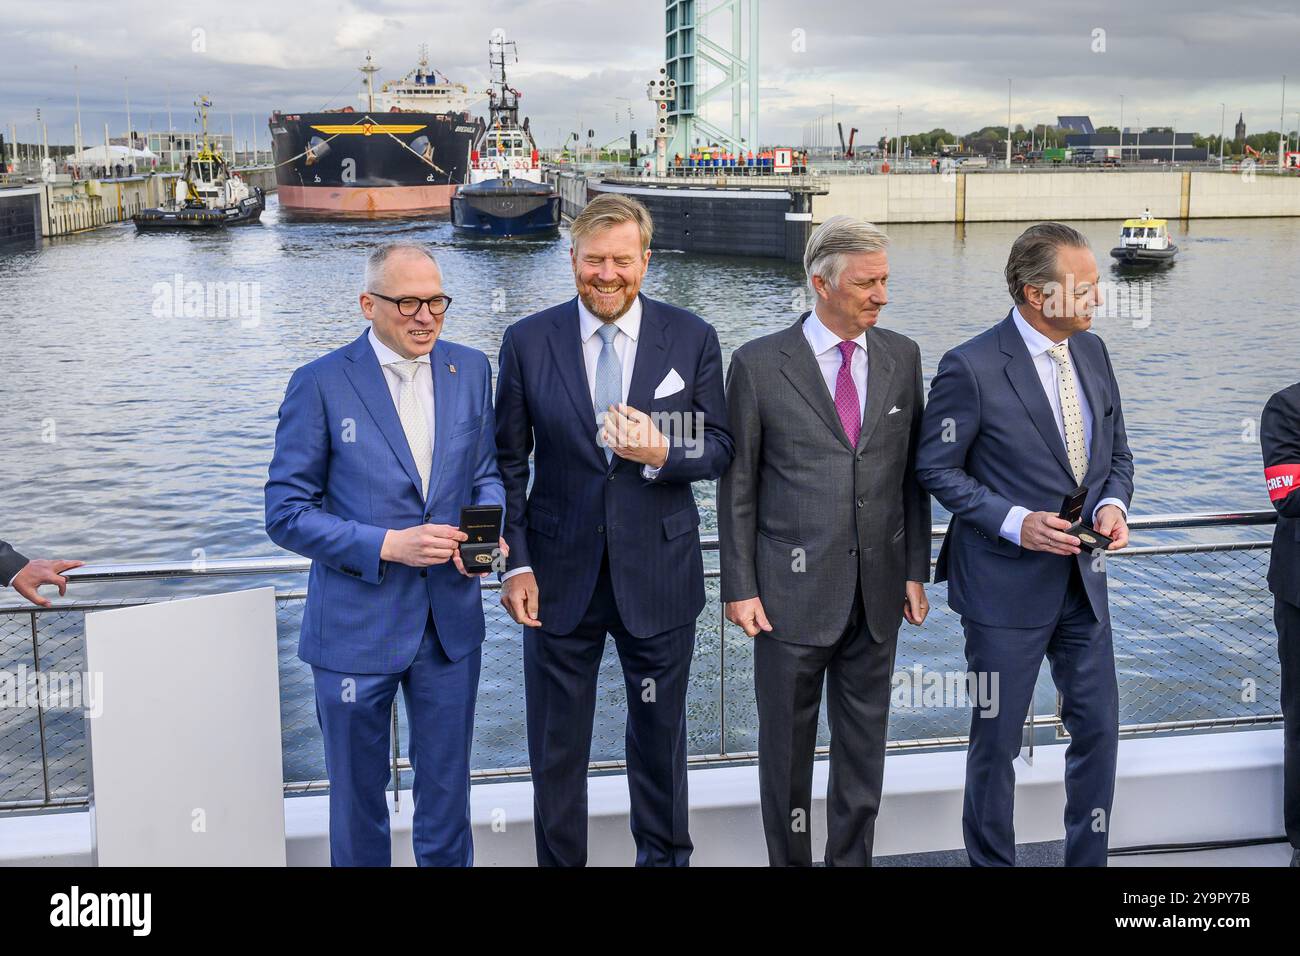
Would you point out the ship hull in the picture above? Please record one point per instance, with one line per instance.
(359, 164)
(495, 209)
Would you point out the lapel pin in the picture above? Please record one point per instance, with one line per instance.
(451, 368)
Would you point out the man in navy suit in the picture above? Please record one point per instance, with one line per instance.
(619, 398)
(379, 446)
(1018, 417)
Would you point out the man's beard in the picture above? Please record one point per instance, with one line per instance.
(589, 300)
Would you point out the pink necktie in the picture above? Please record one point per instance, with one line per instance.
(846, 395)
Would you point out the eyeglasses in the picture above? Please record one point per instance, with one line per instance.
(409, 305)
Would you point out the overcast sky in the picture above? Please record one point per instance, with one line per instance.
(944, 62)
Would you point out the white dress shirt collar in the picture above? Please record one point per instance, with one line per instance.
(386, 355)
(629, 323)
(822, 339)
(1035, 341)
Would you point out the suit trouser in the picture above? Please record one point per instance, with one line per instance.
(560, 679)
(1287, 617)
(355, 716)
(1082, 660)
(788, 686)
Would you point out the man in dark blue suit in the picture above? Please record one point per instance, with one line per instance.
(619, 399)
(1018, 417)
(379, 446)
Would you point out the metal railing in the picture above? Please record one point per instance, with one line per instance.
(1193, 631)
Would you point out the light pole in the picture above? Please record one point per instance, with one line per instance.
(1008, 123)
(1223, 112)
(1281, 133)
(1121, 128)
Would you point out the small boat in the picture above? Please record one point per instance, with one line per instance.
(209, 195)
(506, 195)
(1144, 242)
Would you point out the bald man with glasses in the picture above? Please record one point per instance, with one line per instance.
(379, 446)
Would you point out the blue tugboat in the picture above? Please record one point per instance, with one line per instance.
(506, 196)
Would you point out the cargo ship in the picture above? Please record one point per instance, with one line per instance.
(403, 152)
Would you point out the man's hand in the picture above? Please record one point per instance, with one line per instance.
(423, 545)
(632, 435)
(39, 571)
(519, 598)
(1044, 531)
(503, 550)
(748, 614)
(1111, 523)
(915, 605)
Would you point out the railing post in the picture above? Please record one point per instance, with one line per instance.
(722, 675)
(40, 711)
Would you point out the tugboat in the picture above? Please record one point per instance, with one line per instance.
(1145, 243)
(209, 195)
(506, 195)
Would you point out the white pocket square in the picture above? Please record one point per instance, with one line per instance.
(671, 385)
(894, 409)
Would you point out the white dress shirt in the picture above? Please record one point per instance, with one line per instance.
(1038, 344)
(423, 378)
(825, 345)
(629, 329)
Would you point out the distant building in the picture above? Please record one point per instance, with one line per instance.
(1080, 124)
(1142, 145)
(1239, 131)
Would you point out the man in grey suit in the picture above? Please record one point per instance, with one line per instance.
(825, 538)
(26, 576)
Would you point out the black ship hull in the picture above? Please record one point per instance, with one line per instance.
(500, 209)
(364, 164)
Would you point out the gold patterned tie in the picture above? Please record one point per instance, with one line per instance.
(1067, 390)
(416, 426)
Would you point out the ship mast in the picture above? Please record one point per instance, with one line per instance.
(369, 69)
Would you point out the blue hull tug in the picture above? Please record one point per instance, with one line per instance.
(506, 208)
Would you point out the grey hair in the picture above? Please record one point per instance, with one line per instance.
(378, 259)
(1033, 258)
(837, 237)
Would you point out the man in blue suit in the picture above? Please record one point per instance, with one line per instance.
(620, 400)
(1018, 417)
(379, 446)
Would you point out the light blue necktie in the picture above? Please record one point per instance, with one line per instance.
(609, 378)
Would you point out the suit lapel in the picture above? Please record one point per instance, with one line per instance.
(566, 351)
(801, 368)
(1024, 379)
(651, 354)
(368, 379)
(445, 387)
(880, 377)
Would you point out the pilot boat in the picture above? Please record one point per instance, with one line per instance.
(1145, 242)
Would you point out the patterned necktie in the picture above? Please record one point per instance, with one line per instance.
(609, 378)
(846, 395)
(1071, 414)
(414, 423)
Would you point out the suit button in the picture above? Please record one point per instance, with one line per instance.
(853, 552)
(861, 502)
(611, 477)
(860, 457)
(424, 572)
(600, 529)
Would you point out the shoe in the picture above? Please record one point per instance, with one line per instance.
(1295, 857)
